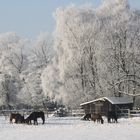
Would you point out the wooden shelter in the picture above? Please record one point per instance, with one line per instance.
(105, 104)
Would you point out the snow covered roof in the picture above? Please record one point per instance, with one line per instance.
(112, 100)
(119, 100)
(99, 99)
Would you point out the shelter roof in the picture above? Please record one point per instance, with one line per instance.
(112, 100)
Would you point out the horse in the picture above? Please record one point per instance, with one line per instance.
(112, 116)
(17, 117)
(33, 116)
(97, 117)
(87, 117)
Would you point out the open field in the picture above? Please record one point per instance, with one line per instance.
(71, 128)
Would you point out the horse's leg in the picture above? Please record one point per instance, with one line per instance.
(35, 121)
(116, 120)
(16, 121)
(108, 119)
(43, 119)
(28, 122)
(94, 120)
(113, 120)
(99, 120)
(11, 120)
(102, 121)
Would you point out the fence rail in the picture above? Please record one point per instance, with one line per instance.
(121, 113)
(21, 111)
(128, 113)
(75, 112)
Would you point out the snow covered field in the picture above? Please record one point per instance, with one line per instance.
(71, 128)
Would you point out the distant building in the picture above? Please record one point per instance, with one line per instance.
(105, 104)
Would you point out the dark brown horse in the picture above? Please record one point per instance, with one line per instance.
(33, 116)
(112, 117)
(86, 117)
(97, 117)
(17, 117)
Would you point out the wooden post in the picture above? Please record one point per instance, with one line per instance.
(129, 113)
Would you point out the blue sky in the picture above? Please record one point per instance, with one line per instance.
(30, 17)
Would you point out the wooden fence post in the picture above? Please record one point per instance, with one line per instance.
(129, 113)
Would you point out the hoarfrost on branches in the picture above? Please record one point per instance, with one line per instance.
(96, 49)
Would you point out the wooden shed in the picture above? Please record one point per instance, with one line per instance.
(105, 104)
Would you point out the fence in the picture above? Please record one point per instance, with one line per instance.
(128, 113)
(75, 112)
(134, 113)
(8, 112)
(21, 111)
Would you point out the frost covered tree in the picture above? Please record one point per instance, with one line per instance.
(13, 57)
(8, 91)
(51, 83)
(42, 51)
(121, 42)
(24, 61)
(12, 61)
(98, 50)
(77, 46)
(39, 58)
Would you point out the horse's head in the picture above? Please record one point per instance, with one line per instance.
(26, 120)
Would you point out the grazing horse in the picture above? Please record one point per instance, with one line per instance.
(33, 116)
(97, 117)
(17, 117)
(87, 117)
(112, 116)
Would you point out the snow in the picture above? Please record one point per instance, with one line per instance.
(112, 100)
(120, 100)
(71, 128)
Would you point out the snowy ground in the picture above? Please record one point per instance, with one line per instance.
(71, 128)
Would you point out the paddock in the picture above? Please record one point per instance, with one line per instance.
(71, 128)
